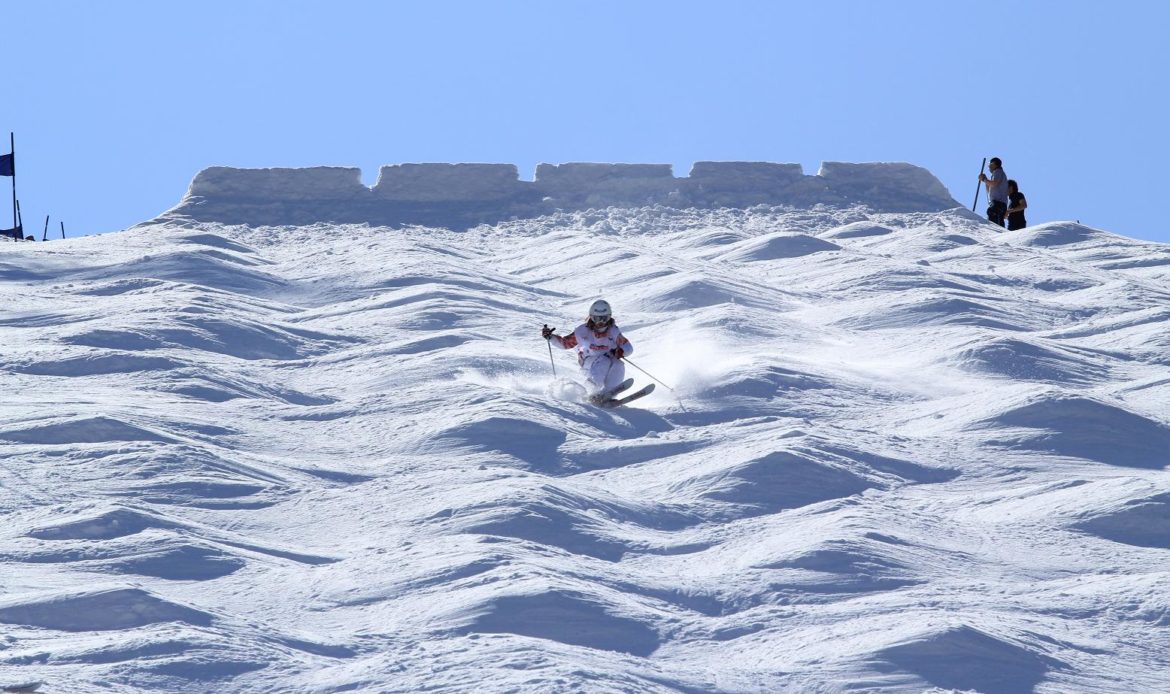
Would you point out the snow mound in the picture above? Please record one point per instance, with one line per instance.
(776, 481)
(84, 430)
(1144, 522)
(1033, 361)
(902, 279)
(100, 364)
(532, 443)
(679, 292)
(940, 310)
(215, 241)
(181, 562)
(777, 246)
(1084, 427)
(841, 566)
(212, 269)
(1054, 234)
(161, 555)
(566, 617)
(220, 492)
(966, 658)
(102, 610)
(118, 522)
(761, 381)
(857, 230)
(715, 238)
(601, 526)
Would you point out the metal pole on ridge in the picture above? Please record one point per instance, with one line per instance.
(12, 146)
(979, 185)
(45, 235)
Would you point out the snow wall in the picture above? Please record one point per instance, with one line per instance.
(459, 196)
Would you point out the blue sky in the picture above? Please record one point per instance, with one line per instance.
(117, 104)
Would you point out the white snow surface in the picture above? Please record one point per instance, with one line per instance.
(904, 452)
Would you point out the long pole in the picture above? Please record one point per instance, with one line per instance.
(62, 229)
(19, 223)
(45, 235)
(680, 403)
(12, 144)
(979, 185)
(627, 360)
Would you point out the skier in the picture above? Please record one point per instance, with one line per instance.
(600, 348)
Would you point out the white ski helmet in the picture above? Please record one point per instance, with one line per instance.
(600, 313)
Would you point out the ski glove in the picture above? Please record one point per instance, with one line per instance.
(547, 332)
(618, 353)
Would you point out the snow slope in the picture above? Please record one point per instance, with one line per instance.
(903, 452)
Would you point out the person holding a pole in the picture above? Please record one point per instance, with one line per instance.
(997, 191)
(600, 348)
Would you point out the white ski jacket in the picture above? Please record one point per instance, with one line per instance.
(593, 344)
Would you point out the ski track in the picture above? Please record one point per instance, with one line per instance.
(903, 452)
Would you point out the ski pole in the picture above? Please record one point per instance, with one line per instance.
(680, 403)
(631, 363)
(550, 356)
(979, 185)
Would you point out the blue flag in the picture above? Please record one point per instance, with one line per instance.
(17, 233)
(7, 165)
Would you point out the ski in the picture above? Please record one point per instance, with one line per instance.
(618, 402)
(624, 385)
(607, 395)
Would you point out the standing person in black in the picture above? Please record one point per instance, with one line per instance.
(1017, 203)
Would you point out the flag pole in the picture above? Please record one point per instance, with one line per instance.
(62, 229)
(12, 145)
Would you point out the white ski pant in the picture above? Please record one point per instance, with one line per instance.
(603, 372)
